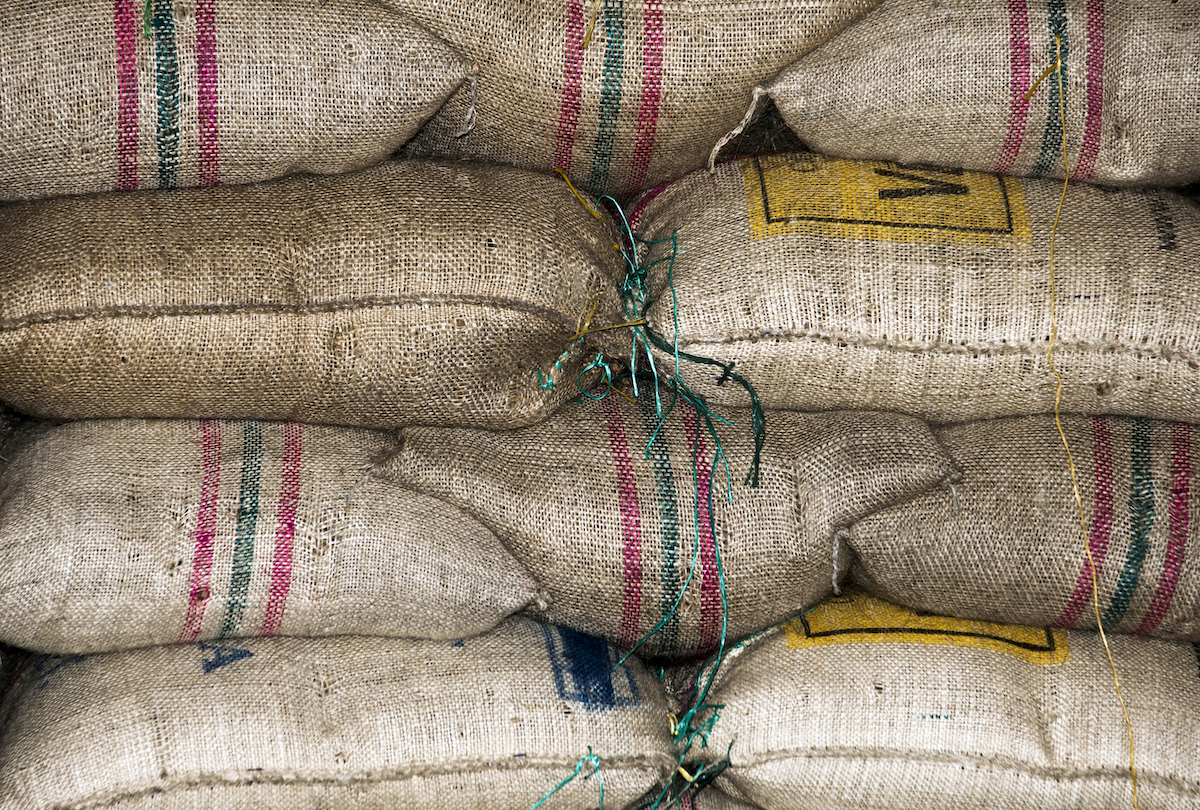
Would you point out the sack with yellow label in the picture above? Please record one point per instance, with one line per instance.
(948, 83)
(1007, 545)
(633, 524)
(834, 284)
(124, 94)
(859, 704)
(491, 722)
(414, 292)
(618, 94)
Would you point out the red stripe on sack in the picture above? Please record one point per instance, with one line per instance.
(1020, 70)
(206, 95)
(631, 524)
(1102, 517)
(572, 92)
(710, 585)
(285, 528)
(1095, 91)
(1177, 528)
(652, 82)
(206, 529)
(125, 14)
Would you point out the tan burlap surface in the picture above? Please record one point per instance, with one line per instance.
(860, 704)
(412, 292)
(1007, 544)
(946, 84)
(117, 534)
(174, 93)
(641, 101)
(493, 721)
(841, 284)
(612, 525)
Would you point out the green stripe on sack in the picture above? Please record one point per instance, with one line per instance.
(1141, 522)
(1051, 152)
(247, 519)
(659, 455)
(610, 93)
(167, 70)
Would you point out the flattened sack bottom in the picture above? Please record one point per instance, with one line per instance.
(492, 721)
(414, 292)
(864, 705)
(836, 284)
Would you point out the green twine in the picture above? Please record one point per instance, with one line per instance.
(594, 761)
(148, 19)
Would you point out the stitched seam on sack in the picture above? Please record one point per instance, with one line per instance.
(957, 760)
(119, 311)
(450, 766)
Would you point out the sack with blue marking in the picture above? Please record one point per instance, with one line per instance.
(495, 721)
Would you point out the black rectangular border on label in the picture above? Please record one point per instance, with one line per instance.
(762, 184)
(1049, 647)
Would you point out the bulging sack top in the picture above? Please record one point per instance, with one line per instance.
(861, 704)
(619, 95)
(492, 721)
(633, 522)
(854, 284)
(168, 94)
(412, 292)
(125, 533)
(948, 84)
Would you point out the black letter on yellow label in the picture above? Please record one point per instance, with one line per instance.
(929, 188)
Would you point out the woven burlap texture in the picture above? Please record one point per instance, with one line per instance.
(1007, 544)
(412, 292)
(492, 721)
(842, 284)
(657, 84)
(117, 534)
(611, 526)
(953, 716)
(946, 83)
(181, 93)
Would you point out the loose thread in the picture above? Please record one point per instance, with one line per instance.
(759, 92)
(591, 759)
(837, 548)
(469, 119)
(1057, 67)
(587, 37)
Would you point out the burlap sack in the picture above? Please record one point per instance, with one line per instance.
(117, 534)
(1007, 544)
(494, 721)
(413, 292)
(841, 284)
(860, 704)
(105, 95)
(642, 100)
(612, 525)
(945, 83)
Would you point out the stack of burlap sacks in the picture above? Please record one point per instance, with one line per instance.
(335, 477)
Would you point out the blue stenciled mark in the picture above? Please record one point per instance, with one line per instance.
(583, 670)
(222, 656)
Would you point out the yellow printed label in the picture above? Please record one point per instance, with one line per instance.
(854, 199)
(856, 618)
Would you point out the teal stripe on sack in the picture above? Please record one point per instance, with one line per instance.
(659, 455)
(610, 94)
(247, 520)
(1141, 521)
(168, 93)
(1051, 153)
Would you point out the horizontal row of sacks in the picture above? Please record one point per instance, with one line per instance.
(452, 293)
(619, 95)
(606, 518)
(855, 704)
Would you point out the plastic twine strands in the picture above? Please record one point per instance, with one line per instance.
(590, 759)
(1057, 67)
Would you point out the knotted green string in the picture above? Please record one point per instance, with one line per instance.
(594, 761)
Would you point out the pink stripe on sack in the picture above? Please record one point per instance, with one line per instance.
(572, 92)
(1181, 472)
(285, 528)
(206, 99)
(1095, 91)
(631, 524)
(652, 81)
(710, 586)
(126, 23)
(1018, 114)
(206, 529)
(1101, 520)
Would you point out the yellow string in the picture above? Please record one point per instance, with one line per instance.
(1057, 67)
(587, 38)
(579, 197)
